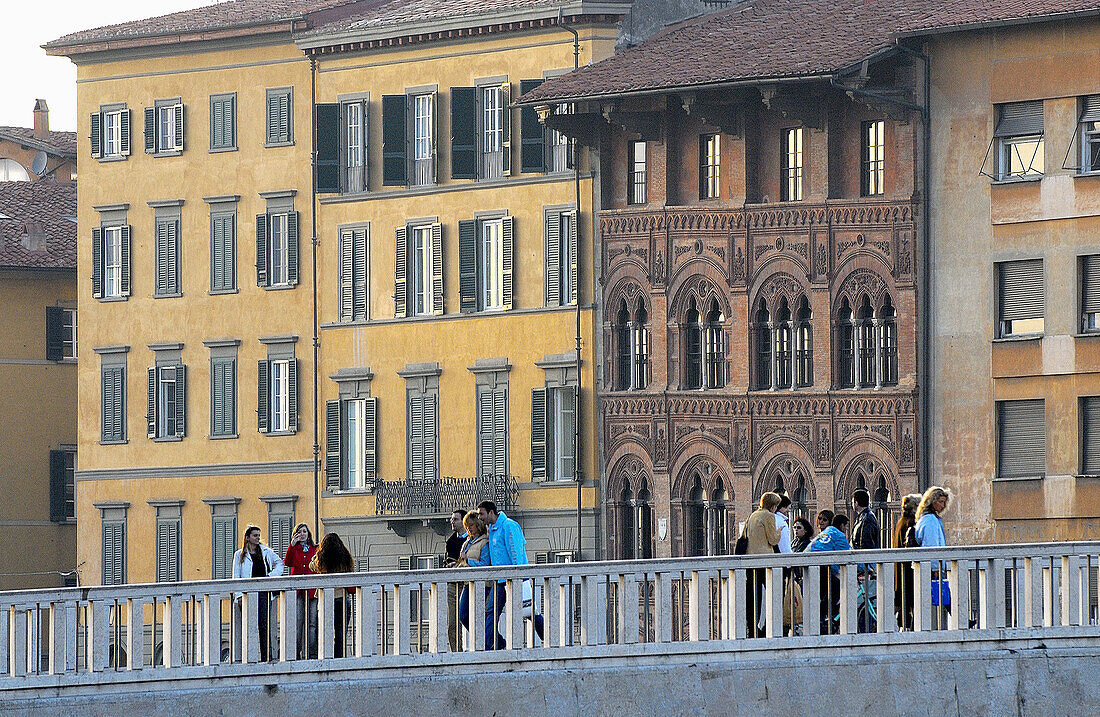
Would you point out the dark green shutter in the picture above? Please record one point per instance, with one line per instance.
(178, 109)
(263, 396)
(272, 118)
(359, 273)
(150, 130)
(437, 269)
(500, 431)
(261, 249)
(124, 279)
(347, 275)
(151, 410)
(370, 438)
(181, 401)
(327, 123)
(538, 433)
(463, 133)
(173, 284)
(467, 265)
(96, 135)
(292, 395)
(574, 278)
(333, 473)
(395, 170)
(97, 263)
(223, 538)
(506, 127)
(485, 431)
(400, 278)
(58, 511)
(124, 132)
(507, 251)
(55, 333)
(553, 259)
(161, 252)
(532, 134)
(292, 248)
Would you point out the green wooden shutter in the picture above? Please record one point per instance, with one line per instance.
(566, 425)
(223, 540)
(1090, 435)
(261, 249)
(58, 511)
(532, 134)
(181, 401)
(150, 130)
(173, 285)
(55, 333)
(431, 435)
(272, 118)
(114, 553)
(292, 248)
(168, 551)
(124, 278)
(160, 256)
(506, 126)
(500, 431)
(347, 275)
(97, 263)
(263, 396)
(538, 433)
(223, 244)
(553, 259)
(507, 252)
(395, 170)
(485, 431)
(124, 132)
(437, 269)
(279, 528)
(467, 265)
(463, 133)
(96, 135)
(151, 409)
(178, 109)
(370, 439)
(359, 276)
(292, 395)
(400, 278)
(333, 450)
(415, 431)
(106, 418)
(327, 169)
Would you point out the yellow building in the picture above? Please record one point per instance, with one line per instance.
(200, 409)
(38, 348)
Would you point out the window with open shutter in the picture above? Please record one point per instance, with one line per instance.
(353, 154)
(263, 396)
(326, 119)
(1021, 439)
(400, 279)
(333, 452)
(506, 128)
(395, 170)
(437, 269)
(1019, 140)
(55, 333)
(1021, 302)
(292, 248)
(124, 132)
(464, 133)
(62, 485)
(97, 263)
(1090, 293)
(1090, 435)
(150, 130)
(532, 134)
(370, 441)
(96, 134)
(538, 433)
(292, 395)
(261, 249)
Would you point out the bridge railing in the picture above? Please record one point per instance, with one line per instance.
(169, 631)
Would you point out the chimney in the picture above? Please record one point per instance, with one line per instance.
(41, 120)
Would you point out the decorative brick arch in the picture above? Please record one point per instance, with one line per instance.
(860, 282)
(703, 289)
(780, 285)
(694, 518)
(627, 288)
(629, 496)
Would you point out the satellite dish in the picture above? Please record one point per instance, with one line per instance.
(38, 164)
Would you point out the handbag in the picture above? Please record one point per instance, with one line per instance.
(941, 592)
(742, 546)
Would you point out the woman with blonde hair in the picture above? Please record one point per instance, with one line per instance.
(929, 533)
(474, 554)
(761, 537)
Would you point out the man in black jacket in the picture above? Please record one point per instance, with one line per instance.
(865, 536)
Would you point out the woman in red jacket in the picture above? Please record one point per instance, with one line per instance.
(299, 553)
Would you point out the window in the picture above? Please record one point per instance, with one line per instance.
(114, 552)
(164, 127)
(357, 438)
(559, 147)
(423, 435)
(277, 249)
(492, 264)
(714, 347)
(418, 275)
(804, 344)
(631, 336)
(791, 181)
(110, 133)
(280, 524)
(1089, 131)
(223, 122)
(888, 344)
(561, 257)
(280, 395)
(874, 158)
(1021, 439)
(553, 439)
(223, 538)
(1019, 140)
(60, 333)
(1090, 435)
(784, 351)
(167, 257)
(492, 431)
(353, 301)
(277, 389)
(168, 543)
(709, 166)
(763, 336)
(423, 139)
(351, 456)
(1021, 303)
(635, 524)
(493, 131)
(63, 485)
(110, 262)
(167, 402)
(1090, 293)
(113, 404)
(223, 251)
(223, 396)
(355, 146)
(485, 250)
(865, 343)
(693, 347)
(636, 182)
(280, 117)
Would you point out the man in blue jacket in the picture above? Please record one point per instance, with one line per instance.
(507, 546)
(830, 539)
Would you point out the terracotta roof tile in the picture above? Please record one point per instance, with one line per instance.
(387, 13)
(59, 143)
(765, 39)
(45, 209)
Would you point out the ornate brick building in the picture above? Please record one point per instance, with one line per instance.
(758, 273)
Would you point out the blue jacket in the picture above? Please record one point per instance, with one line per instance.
(507, 546)
(930, 531)
(828, 540)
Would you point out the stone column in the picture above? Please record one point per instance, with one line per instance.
(772, 331)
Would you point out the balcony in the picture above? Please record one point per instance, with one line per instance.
(435, 497)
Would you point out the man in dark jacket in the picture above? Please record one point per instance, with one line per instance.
(865, 533)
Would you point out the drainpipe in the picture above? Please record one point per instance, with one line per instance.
(313, 262)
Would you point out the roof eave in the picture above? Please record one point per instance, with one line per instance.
(80, 48)
(993, 24)
(573, 8)
(38, 144)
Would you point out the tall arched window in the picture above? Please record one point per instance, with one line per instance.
(865, 330)
(640, 348)
(783, 353)
(846, 346)
(627, 524)
(763, 331)
(804, 344)
(880, 504)
(696, 533)
(888, 343)
(693, 347)
(788, 476)
(623, 348)
(717, 526)
(643, 521)
(715, 347)
(631, 336)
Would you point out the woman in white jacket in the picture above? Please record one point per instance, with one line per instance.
(256, 560)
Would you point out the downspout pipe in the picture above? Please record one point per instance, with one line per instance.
(313, 264)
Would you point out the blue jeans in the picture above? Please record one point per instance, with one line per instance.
(491, 615)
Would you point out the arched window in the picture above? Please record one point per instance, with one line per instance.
(846, 364)
(12, 171)
(880, 505)
(627, 524)
(640, 348)
(631, 337)
(865, 331)
(715, 347)
(888, 343)
(643, 520)
(804, 344)
(788, 476)
(696, 520)
(783, 354)
(693, 347)
(623, 345)
(763, 331)
(717, 526)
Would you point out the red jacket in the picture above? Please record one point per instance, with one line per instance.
(297, 561)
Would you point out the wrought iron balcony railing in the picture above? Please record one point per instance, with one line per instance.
(439, 496)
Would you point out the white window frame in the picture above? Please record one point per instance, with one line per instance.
(356, 146)
(166, 128)
(68, 340)
(423, 150)
(712, 165)
(559, 144)
(1089, 137)
(492, 264)
(279, 257)
(1032, 162)
(112, 262)
(422, 269)
(356, 443)
(793, 164)
(166, 401)
(561, 441)
(875, 147)
(565, 269)
(638, 191)
(112, 133)
(280, 396)
(492, 131)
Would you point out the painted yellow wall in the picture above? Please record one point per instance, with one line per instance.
(39, 398)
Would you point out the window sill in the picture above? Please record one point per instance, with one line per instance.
(1017, 180)
(167, 439)
(1088, 335)
(113, 299)
(218, 150)
(168, 153)
(115, 158)
(168, 296)
(226, 437)
(277, 434)
(66, 360)
(114, 443)
(280, 287)
(537, 484)
(279, 144)
(1018, 339)
(1086, 476)
(1016, 479)
(221, 292)
(1086, 175)
(350, 492)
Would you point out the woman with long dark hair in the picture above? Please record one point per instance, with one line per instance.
(299, 553)
(333, 557)
(905, 537)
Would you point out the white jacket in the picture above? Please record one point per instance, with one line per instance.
(244, 569)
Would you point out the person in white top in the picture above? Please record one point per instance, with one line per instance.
(256, 560)
(781, 516)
